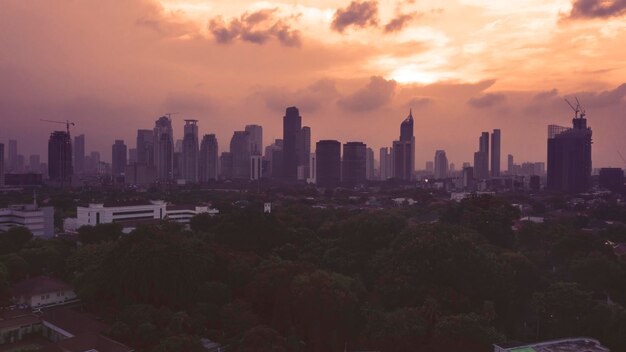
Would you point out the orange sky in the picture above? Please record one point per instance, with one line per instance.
(353, 68)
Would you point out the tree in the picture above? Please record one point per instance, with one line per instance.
(14, 239)
(99, 233)
(263, 338)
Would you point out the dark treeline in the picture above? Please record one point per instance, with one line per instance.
(440, 277)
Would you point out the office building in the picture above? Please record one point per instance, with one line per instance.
(255, 134)
(145, 147)
(60, 157)
(354, 164)
(441, 164)
(495, 153)
(132, 155)
(12, 156)
(404, 151)
(1, 165)
(34, 163)
(190, 151)
(481, 158)
(328, 161)
(468, 177)
(369, 164)
(164, 148)
(304, 150)
(510, 165)
(569, 156)
(226, 166)
(386, 164)
(312, 169)
(208, 163)
(292, 125)
(79, 154)
(240, 151)
(118, 158)
(256, 167)
(39, 220)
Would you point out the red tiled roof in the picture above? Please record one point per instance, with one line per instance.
(38, 285)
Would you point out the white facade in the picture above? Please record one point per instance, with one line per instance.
(256, 167)
(312, 169)
(39, 220)
(95, 214)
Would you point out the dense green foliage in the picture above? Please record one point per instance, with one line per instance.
(310, 279)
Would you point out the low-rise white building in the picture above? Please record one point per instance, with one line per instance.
(39, 220)
(134, 213)
(42, 291)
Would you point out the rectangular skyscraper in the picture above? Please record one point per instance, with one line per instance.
(304, 149)
(328, 160)
(569, 156)
(60, 158)
(441, 164)
(481, 158)
(255, 133)
(292, 124)
(240, 151)
(119, 158)
(354, 165)
(208, 162)
(190, 151)
(386, 169)
(12, 156)
(495, 153)
(79, 154)
(164, 148)
(404, 151)
(369, 164)
(1, 165)
(145, 147)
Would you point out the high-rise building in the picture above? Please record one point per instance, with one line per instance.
(481, 158)
(354, 165)
(495, 153)
(386, 165)
(92, 163)
(451, 169)
(240, 151)
(145, 147)
(226, 165)
(304, 150)
(164, 148)
(292, 125)
(34, 163)
(369, 164)
(1, 165)
(510, 165)
(132, 155)
(430, 167)
(328, 160)
(20, 164)
(256, 167)
(569, 156)
(255, 133)
(404, 151)
(79, 154)
(441, 164)
(12, 156)
(118, 157)
(60, 157)
(208, 163)
(312, 169)
(190, 151)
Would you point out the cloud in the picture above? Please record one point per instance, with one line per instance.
(189, 103)
(419, 102)
(358, 13)
(399, 22)
(257, 27)
(309, 99)
(487, 100)
(376, 94)
(546, 94)
(604, 98)
(597, 8)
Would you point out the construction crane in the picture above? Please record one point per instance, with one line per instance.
(67, 124)
(579, 111)
(169, 114)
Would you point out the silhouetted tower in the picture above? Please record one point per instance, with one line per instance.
(79, 154)
(190, 151)
(208, 162)
(255, 133)
(164, 148)
(328, 160)
(240, 151)
(481, 158)
(292, 124)
(60, 157)
(495, 153)
(404, 151)
(441, 164)
(354, 165)
(118, 157)
(145, 147)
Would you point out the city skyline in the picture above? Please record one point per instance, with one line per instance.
(335, 80)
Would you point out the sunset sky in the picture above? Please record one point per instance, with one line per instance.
(353, 68)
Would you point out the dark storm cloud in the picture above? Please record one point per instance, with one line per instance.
(256, 27)
(597, 8)
(376, 94)
(358, 13)
(399, 22)
(487, 100)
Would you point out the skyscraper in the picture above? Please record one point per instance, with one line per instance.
(441, 164)
(354, 165)
(509, 164)
(328, 159)
(1, 164)
(164, 148)
(226, 165)
(369, 164)
(481, 158)
(292, 124)
(386, 166)
(79, 154)
(190, 151)
(208, 163)
(12, 156)
(255, 133)
(60, 157)
(240, 151)
(569, 156)
(404, 151)
(145, 147)
(132, 155)
(495, 153)
(118, 157)
(34, 163)
(304, 149)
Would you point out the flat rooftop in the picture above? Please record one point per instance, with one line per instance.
(580, 344)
